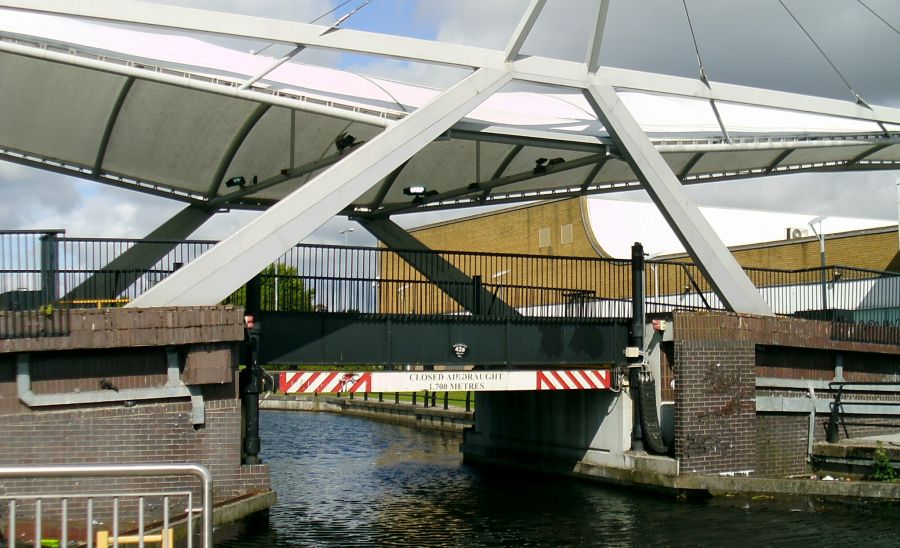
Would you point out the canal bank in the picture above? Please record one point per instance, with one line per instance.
(452, 419)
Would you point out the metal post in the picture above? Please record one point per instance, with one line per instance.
(250, 377)
(49, 268)
(468, 401)
(824, 277)
(476, 295)
(636, 340)
(446, 400)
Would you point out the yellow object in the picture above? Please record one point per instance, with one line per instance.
(98, 302)
(167, 541)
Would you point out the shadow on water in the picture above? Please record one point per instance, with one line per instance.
(344, 481)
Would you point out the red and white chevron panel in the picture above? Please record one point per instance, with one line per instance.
(318, 382)
(573, 379)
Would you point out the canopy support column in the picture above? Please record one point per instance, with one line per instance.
(227, 266)
(119, 273)
(722, 271)
(452, 281)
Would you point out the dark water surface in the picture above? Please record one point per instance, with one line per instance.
(344, 481)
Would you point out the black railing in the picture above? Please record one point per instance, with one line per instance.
(445, 283)
(45, 274)
(30, 304)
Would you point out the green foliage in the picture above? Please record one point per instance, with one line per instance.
(292, 293)
(883, 471)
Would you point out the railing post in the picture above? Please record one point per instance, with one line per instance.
(477, 288)
(446, 400)
(468, 401)
(49, 268)
(831, 429)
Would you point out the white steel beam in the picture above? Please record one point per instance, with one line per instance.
(532, 68)
(526, 23)
(272, 30)
(455, 283)
(224, 268)
(593, 56)
(109, 282)
(709, 253)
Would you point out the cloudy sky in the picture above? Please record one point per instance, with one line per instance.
(755, 43)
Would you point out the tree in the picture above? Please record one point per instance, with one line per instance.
(281, 281)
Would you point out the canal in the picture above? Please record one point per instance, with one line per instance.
(345, 481)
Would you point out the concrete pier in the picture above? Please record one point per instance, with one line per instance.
(747, 401)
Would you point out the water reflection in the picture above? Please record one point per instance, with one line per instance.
(344, 481)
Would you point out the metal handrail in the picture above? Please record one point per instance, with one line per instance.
(124, 470)
(836, 416)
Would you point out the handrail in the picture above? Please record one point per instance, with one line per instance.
(118, 470)
(836, 416)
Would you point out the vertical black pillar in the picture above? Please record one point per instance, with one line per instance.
(476, 295)
(636, 340)
(49, 268)
(250, 377)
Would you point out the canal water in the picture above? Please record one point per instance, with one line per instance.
(345, 481)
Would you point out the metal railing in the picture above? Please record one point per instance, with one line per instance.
(837, 408)
(863, 304)
(445, 283)
(54, 511)
(29, 285)
(427, 398)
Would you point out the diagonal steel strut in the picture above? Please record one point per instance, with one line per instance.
(224, 268)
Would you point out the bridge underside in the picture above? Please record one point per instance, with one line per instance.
(351, 339)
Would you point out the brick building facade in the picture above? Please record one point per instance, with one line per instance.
(561, 228)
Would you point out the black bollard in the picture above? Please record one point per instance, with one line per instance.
(250, 378)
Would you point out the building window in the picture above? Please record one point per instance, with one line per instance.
(544, 237)
(565, 234)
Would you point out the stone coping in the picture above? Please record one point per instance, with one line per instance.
(131, 327)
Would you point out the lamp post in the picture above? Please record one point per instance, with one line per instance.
(654, 267)
(345, 232)
(821, 236)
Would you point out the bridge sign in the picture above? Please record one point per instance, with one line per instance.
(318, 382)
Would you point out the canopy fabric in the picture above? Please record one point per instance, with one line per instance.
(164, 113)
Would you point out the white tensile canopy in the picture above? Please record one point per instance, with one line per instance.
(133, 128)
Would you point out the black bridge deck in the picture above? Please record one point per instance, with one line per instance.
(365, 339)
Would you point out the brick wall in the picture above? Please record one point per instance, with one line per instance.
(517, 230)
(131, 432)
(715, 412)
(782, 439)
(718, 357)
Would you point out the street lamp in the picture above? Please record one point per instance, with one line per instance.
(654, 267)
(821, 236)
(345, 232)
